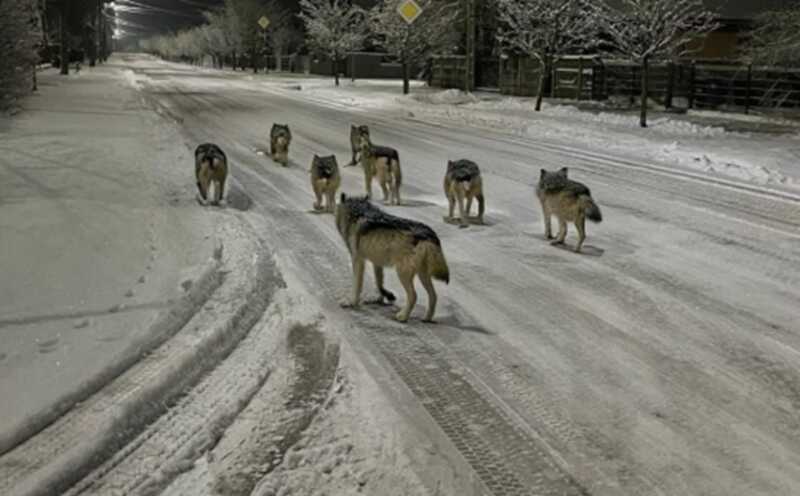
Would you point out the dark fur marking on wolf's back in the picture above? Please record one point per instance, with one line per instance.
(385, 152)
(376, 219)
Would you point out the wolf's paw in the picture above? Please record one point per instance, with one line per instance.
(429, 320)
(549, 236)
(557, 242)
(348, 304)
(463, 226)
(401, 317)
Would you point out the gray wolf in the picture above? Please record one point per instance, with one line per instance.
(463, 180)
(356, 132)
(382, 162)
(280, 138)
(325, 180)
(210, 166)
(384, 240)
(569, 201)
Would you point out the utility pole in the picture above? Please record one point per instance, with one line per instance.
(469, 62)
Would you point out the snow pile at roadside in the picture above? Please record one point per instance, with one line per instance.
(446, 97)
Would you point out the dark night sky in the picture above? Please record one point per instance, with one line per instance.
(172, 15)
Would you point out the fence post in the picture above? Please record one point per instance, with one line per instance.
(553, 78)
(691, 84)
(670, 85)
(747, 89)
(580, 78)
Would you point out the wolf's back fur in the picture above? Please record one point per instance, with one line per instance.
(569, 201)
(463, 180)
(210, 166)
(325, 181)
(386, 240)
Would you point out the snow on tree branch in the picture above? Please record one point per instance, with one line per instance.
(644, 29)
(545, 29)
(334, 27)
(776, 38)
(432, 31)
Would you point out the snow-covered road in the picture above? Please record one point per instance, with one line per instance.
(664, 360)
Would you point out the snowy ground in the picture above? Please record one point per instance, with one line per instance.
(664, 360)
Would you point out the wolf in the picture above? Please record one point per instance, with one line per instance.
(463, 180)
(356, 132)
(383, 162)
(210, 165)
(280, 138)
(569, 201)
(388, 241)
(325, 180)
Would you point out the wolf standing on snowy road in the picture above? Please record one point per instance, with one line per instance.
(356, 132)
(388, 241)
(463, 180)
(280, 139)
(569, 201)
(210, 166)
(383, 162)
(325, 180)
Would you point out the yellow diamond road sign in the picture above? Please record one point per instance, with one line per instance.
(263, 22)
(409, 10)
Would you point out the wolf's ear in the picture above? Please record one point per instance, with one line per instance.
(542, 173)
(563, 171)
(342, 198)
(352, 126)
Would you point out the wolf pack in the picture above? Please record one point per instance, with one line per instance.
(373, 235)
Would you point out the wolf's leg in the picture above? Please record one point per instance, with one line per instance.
(331, 206)
(383, 293)
(580, 225)
(203, 184)
(318, 194)
(469, 204)
(396, 174)
(358, 281)
(481, 207)
(548, 230)
(406, 276)
(355, 155)
(451, 199)
(368, 177)
(200, 189)
(460, 197)
(427, 283)
(219, 189)
(562, 232)
(272, 148)
(383, 181)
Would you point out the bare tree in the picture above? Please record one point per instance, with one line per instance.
(334, 28)
(413, 43)
(546, 30)
(776, 37)
(643, 30)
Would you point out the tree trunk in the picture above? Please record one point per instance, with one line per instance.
(542, 77)
(254, 62)
(643, 109)
(64, 37)
(405, 77)
(336, 70)
(35, 84)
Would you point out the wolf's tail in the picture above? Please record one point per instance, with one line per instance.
(591, 208)
(435, 264)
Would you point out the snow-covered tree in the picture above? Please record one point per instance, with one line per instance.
(643, 30)
(20, 35)
(546, 30)
(776, 37)
(334, 28)
(281, 33)
(413, 43)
